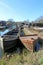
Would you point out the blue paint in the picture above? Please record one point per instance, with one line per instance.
(7, 30)
(37, 46)
(4, 32)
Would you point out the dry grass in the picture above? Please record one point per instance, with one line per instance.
(33, 31)
(29, 31)
(25, 58)
(25, 31)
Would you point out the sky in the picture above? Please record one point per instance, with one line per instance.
(20, 10)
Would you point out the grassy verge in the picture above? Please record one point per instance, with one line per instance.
(25, 58)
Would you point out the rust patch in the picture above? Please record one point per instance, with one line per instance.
(28, 42)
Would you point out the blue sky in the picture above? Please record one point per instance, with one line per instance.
(21, 10)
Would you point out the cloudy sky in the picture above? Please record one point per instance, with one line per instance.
(20, 10)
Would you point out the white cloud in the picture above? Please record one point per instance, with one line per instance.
(5, 5)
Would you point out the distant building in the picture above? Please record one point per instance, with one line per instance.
(37, 24)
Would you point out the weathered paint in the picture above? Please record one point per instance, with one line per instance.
(1, 47)
(28, 42)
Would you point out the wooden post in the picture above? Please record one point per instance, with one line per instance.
(1, 47)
